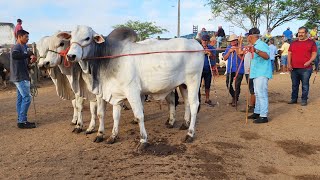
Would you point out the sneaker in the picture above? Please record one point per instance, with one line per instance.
(292, 102)
(282, 73)
(287, 73)
(26, 125)
(304, 103)
(261, 120)
(254, 116)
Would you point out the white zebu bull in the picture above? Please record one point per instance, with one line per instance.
(70, 78)
(134, 76)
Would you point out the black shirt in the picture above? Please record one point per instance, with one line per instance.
(19, 63)
(221, 33)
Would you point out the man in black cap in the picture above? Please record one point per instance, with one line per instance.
(206, 72)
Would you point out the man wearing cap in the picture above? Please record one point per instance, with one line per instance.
(233, 55)
(18, 27)
(206, 72)
(284, 55)
(301, 54)
(288, 34)
(260, 72)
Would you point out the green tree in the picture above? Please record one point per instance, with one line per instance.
(273, 13)
(312, 16)
(143, 29)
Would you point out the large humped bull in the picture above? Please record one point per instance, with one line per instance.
(70, 83)
(132, 77)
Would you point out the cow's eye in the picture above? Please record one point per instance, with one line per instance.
(87, 39)
(61, 44)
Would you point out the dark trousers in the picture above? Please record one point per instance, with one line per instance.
(229, 81)
(302, 75)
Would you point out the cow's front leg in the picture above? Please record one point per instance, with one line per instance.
(137, 109)
(115, 128)
(170, 98)
(75, 112)
(93, 112)
(101, 104)
(79, 106)
(184, 93)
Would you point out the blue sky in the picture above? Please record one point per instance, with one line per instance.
(45, 17)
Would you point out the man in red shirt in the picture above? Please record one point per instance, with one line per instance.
(18, 27)
(300, 56)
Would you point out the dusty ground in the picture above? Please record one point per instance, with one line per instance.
(225, 147)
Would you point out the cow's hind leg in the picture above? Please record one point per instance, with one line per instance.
(193, 88)
(101, 106)
(93, 112)
(184, 93)
(170, 98)
(79, 106)
(115, 128)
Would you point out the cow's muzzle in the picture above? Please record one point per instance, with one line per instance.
(71, 57)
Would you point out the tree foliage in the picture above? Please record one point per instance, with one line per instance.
(143, 29)
(273, 13)
(312, 15)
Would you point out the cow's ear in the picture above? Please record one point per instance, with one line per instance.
(64, 35)
(98, 38)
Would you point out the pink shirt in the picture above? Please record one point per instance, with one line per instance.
(16, 29)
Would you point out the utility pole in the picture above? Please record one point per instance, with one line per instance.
(178, 29)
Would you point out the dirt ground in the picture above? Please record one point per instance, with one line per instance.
(288, 147)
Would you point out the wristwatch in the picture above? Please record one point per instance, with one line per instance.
(257, 51)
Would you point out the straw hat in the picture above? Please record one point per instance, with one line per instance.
(232, 37)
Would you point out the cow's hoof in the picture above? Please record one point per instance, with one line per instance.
(184, 126)
(89, 132)
(98, 139)
(168, 125)
(77, 130)
(134, 122)
(111, 140)
(188, 139)
(142, 147)
(73, 123)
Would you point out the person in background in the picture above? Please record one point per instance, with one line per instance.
(288, 34)
(273, 52)
(301, 54)
(261, 72)
(284, 55)
(19, 75)
(267, 35)
(234, 56)
(316, 39)
(206, 72)
(17, 28)
(252, 101)
(314, 32)
(220, 36)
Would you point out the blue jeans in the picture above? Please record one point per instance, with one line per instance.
(23, 100)
(219, 40)
(272, 64)
(261, 92)
(302, 75)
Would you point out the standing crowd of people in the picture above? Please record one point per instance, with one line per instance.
(257, 64)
